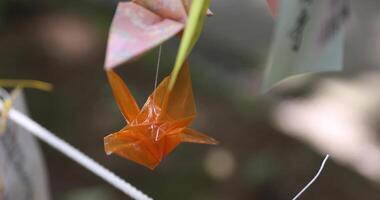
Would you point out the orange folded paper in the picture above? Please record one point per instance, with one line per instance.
(153, 132)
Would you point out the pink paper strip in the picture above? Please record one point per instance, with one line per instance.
(134, 31)
(273, 6)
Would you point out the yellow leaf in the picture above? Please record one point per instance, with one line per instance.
(26, 84)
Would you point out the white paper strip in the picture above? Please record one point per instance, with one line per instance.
(22, 170)
(73, 153)
(308, 38)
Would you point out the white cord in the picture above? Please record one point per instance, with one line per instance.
(73, 153)
(312, 180)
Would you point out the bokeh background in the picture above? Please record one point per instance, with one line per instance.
(63, 42)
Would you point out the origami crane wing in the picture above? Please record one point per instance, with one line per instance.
(129, 144)
(124, 99)
(134, 31)
(177, 104)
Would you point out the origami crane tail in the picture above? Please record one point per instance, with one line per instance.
(128, 145)
(123, 96)
(173, 139)
(117, 141)
(193, 136)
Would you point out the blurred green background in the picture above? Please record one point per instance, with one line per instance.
(63, 42)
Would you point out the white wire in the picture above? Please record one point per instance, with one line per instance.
(312, 180)
(73, 153)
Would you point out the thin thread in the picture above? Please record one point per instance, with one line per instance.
(312, 180)
(156, 80)
(158, 66)
(73, 153)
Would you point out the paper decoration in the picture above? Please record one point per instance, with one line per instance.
(155, 130)
(22, 169)
(134, 31)
(273, 6)
(308, 38)
(141, 25)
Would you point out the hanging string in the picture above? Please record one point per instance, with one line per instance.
(158, 66)
(155, 87)
(312, 180)
(73, 153)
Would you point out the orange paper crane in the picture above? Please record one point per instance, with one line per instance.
(155, 130)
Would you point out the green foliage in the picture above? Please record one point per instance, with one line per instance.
(190, 36)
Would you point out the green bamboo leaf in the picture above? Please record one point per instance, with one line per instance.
(192, 32)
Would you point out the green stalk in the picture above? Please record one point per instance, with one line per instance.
(192, 32)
